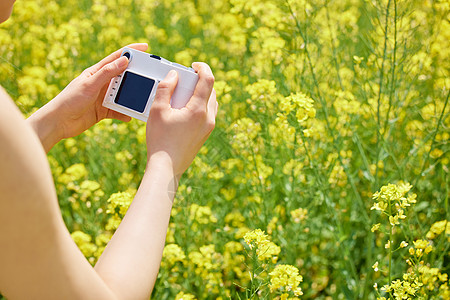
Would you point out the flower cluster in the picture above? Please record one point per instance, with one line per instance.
(184, 296)
(285, 279)
(118, 204)
(299, 215)
(300, 104)
(202, 214)
(265, 249)
(392, 201)
(207, 265)
(173, 253)
(438, 228)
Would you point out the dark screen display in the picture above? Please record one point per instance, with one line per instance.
(134, 91)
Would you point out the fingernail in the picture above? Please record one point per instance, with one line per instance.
(122, 62)
(172, 74)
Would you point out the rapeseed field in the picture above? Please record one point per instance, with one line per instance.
(327, 175)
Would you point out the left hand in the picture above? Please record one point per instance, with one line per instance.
(79, 105)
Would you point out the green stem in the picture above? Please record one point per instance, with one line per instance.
(433, 140)
(292, 171)
(333, 47)
(345, 253)
(380, 90)
(394, 62)
(331, 131)
(390, 246)
(261, 184)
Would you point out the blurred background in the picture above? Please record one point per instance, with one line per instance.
(327, 176)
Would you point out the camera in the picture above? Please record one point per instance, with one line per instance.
(132, 92)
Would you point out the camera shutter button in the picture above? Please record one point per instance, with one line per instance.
(127, 55)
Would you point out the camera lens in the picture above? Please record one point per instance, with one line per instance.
(127, 55)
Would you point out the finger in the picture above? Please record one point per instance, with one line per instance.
(104, 75)
(212, 105)
(115, 55)
(216, 109)
(204, 85)
(166, 88)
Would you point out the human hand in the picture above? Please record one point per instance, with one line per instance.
(176, 135)
(79, 105)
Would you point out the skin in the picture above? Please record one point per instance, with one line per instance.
(38, 257)
(6, 7)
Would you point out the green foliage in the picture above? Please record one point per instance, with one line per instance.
(321, 104)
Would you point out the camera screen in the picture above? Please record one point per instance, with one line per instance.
(134, 91)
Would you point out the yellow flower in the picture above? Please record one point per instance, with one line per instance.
(437, 228)
(90, 185)
(83, 242)
(299, 103)
(299, 214)
(358, 59)
(393, 220)
(375, 227)
(233, 247)
(201, 214)
(387, 245)
(235, 219)
(285, 278)
(255, 238)
(207, 262)
(265, 249)
(375, 267)
(119, 201)
(173, 253)
(420, 244)
(73, 173)
(245, 132)
(273, 224)
(185, 296)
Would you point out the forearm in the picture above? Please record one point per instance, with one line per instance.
(44, 124)
(130, 263)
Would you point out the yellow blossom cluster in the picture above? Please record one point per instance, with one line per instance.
(202, 214)
(420, 279)
(207, 265)
(118, 204)
(73, 173)
(173, 253)
(184, 296)
(300, 104)
(402, 289)
(391, 200)
(265, 249)
(299, 214)
(91, 250)
(285, 279)
(439, 228)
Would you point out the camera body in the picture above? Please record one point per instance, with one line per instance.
(132, 92)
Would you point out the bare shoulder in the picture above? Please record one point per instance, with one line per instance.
(38, 258)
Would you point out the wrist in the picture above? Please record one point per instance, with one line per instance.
(160, 161)
(160, 172)
(45, 124)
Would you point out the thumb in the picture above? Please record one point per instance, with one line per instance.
(166, 88)
(108, 71)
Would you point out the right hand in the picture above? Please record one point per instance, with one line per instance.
(176, 135)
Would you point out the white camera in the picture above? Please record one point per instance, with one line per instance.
(132, 92)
